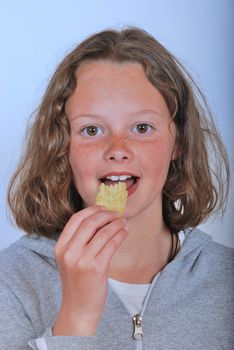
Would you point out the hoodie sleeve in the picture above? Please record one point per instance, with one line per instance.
(49, 342)
(63, 342)
(18, 333)
(15, 327)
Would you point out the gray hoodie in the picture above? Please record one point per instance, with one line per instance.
(188, 307)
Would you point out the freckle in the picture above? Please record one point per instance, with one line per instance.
(84, 150)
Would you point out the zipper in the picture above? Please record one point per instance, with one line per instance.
(137, 319)
(137, 327)
(138, 334)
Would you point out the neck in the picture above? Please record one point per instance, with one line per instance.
(144, 252)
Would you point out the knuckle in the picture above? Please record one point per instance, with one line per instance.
(114, 243)
(67, 259)
(103, 234)
(74, 217)
(89, 222)
(120, 223)
(118, 238)
(57, 251)
(110, 229)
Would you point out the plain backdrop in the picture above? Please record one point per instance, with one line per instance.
(35, 36)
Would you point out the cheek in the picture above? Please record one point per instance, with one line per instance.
(157, 159)
(81, 159)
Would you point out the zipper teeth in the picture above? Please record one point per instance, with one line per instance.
(139, 344)
(148, 295)
(139, 317)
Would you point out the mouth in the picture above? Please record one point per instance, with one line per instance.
(131, 181)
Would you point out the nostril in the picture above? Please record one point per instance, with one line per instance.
(118, 157)
(117, 154)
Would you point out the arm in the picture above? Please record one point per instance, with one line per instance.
(83, 253)
(15, 327)
(17, 331)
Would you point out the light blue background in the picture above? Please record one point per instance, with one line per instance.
(35, 36)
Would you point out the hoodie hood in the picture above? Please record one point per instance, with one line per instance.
(194, 239)
(38, 244)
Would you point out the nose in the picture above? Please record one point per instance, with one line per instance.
(118, 150)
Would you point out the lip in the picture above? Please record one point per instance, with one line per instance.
(133, 188)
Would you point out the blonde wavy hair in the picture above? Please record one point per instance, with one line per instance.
(42, 195)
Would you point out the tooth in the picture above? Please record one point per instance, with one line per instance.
(113, 178)
(118, 178)
(124, 177)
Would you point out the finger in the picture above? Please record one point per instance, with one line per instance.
(75, 221)
(88, 228)
(99, 240)
(105, 255)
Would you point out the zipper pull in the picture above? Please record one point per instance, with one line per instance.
(137, 327)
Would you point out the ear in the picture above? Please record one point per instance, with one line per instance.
(176, 152)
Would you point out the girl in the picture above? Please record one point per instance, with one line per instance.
(119, 108)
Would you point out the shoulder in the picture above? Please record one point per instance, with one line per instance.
(11, 257)
(25, 258)
(218, 254)
(211, 259)
(221, 264)
(195, 238)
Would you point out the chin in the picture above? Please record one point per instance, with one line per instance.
(131, 212)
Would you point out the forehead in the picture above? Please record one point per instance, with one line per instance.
(106, 74)
(99, 67)
(114, 87)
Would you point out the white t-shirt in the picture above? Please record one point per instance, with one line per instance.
(132, 295)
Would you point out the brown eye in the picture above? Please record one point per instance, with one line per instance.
(142, 128)
(91, 130)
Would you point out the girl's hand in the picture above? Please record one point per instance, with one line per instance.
(83, 253)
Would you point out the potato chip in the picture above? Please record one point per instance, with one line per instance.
(113, 197)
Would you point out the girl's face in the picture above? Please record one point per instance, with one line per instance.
(120, 125)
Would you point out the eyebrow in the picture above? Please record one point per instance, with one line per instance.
(145, 111)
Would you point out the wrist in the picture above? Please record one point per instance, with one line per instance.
(68, 324)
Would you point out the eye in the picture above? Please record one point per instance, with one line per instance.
(91, 130)
(143, 128)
